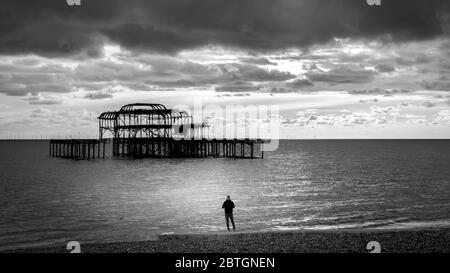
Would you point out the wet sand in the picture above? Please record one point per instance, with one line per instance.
(335, 241)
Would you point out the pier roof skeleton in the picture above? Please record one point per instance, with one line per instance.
(148, 120)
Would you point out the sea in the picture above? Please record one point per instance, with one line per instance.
(303, 185)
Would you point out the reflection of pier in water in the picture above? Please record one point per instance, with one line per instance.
(152, 130)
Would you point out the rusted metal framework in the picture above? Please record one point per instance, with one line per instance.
(152, 130)
(146, 120)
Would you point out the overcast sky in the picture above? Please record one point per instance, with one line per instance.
(335, 68)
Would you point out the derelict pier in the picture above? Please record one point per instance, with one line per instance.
(151, 130)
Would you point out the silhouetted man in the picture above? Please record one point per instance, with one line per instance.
(228, 205)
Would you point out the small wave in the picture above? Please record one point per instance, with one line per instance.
(375, 224)
(418, 224)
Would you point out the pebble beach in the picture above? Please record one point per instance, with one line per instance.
(330, 241)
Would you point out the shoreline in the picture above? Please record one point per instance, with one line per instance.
(417, 240)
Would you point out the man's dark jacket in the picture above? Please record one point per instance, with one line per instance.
(228, 205)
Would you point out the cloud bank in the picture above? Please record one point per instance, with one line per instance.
(53, 28)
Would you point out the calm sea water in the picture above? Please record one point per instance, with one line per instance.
(302, 185)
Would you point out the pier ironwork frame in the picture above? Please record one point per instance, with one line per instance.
(152, 130)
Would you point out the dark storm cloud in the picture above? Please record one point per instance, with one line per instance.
(428, 104)
(51, 27)
(343, 74)
(379, 91)
(442, 84)
(237, 88)
(18, 90)
(385, 68)
(98, 95)
(37, 99)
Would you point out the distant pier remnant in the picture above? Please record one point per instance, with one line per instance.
(77, 148)
(151, 130)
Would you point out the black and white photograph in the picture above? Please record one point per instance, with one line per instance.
(241, 128)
